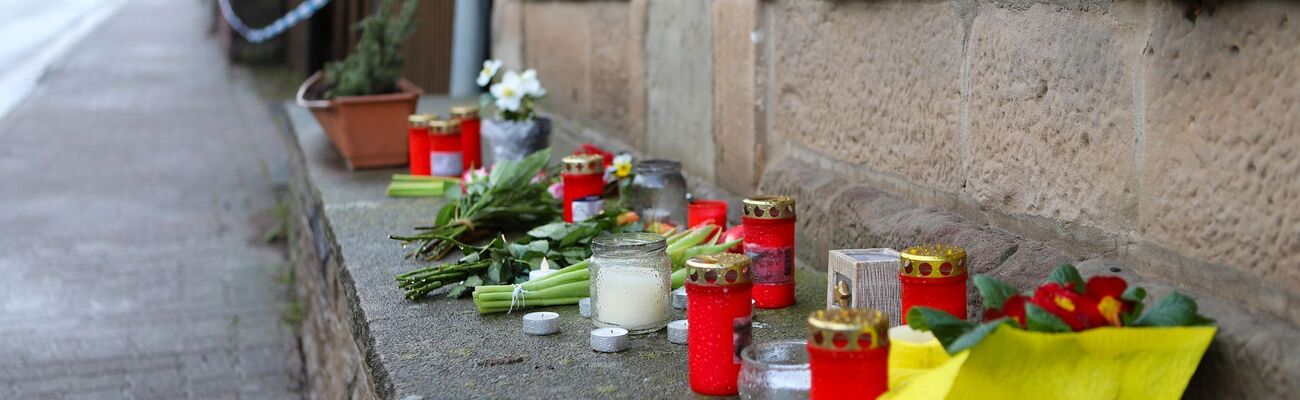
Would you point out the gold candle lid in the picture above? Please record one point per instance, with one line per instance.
(769, 207)
(932, 261)
(444, 126)
(583, 164)
(419, 120)
(464, 112)
(848, 329)
(724, 269)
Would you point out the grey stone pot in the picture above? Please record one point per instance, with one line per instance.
(513, 140)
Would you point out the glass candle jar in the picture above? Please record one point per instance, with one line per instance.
(711, 211)
(444, 148)
(630, 282)
(720, 317)
(584, 181)
(417, 143)
(933, 276)
(848, 350)
(775, 371)
(471, 140)
(658, 192)
(769, 241)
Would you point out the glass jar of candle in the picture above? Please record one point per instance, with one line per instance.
(417, 143)
(933, 276)
(630, 282)
(775, 371)
(658, 192)
(471, 146)
(584, 182)
(444, 148)
(720, 317)
(769, 241)
(848, 352)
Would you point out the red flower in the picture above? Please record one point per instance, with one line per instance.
(1014, 307)
(1078, 311)
(1107, 292)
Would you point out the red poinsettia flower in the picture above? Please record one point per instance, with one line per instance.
(1014, 307)
(1078, 311)
(1108, 292)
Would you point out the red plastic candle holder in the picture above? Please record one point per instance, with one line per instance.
(584, 182)
(471, 146)
(417, 143)
(444, 148)
(848, 353)
(769, 241)
(720, 318)
(701, 211)
(933, 276)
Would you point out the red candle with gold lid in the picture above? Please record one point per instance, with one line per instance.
(719, 316)
(848, 353)
(444, 148)
(769, 241)
(933, 276)
(470, 138)
(417, 143)
(584, 183)
(712, 211)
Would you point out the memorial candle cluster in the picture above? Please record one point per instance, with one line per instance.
(719, 316)
(769, 242)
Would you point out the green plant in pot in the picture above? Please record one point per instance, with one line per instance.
(362, 102)
(517, 130)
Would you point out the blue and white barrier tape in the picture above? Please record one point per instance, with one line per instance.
(293, 17)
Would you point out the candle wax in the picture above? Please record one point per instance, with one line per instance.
(632, 298)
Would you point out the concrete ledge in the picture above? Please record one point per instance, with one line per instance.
(362, 339)
(1251, 357)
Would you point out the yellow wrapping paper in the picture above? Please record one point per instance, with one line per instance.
(1102, 363)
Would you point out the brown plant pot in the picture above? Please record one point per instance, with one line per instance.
(370, 131)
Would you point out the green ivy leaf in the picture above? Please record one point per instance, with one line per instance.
(994, 292)
(1068, 276)
(1176, 309)
(975, 336)
(945, 327)
(1040, 320)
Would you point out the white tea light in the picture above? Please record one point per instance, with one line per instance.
(679, 298)
(544, 270)
(541, 323)
(677, 331)
(584, 307)
(609, 340)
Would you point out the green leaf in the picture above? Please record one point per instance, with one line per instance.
(457, 291)
(1068, 276)
(1176, 309)
(975, 336)
(445, 214)
(473, 281)
(994, 292)
(1040, 320)
(1134, 293)
(538, 246)
(945, 327)
(547, 231)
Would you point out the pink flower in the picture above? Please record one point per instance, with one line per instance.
(556, 190)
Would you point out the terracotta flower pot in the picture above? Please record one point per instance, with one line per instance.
(370, 131)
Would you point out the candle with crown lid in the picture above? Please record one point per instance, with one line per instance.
(444, 148)
(769, 242)
(933, 276)
(471, 140)
(417, 143)
(848, 352)
(584, 182)
(719, 318)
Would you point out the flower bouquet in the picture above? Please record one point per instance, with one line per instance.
(1069, 338)
(517, 130)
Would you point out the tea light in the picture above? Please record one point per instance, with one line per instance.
(541, 323)
(584, 307)
(677, 331)
(541, 272)
(679, 298)
(609, 340)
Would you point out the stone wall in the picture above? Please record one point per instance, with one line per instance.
(1160, 135)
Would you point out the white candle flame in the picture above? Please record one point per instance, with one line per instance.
(546, 266)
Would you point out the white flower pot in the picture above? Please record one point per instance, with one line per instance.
(513, 140)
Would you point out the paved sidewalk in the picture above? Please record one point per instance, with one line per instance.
(132, 183)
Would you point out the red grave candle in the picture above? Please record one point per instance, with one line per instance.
(719, 317)
(444, 148)
(933, 276)
(769, 241)
(848, 353)
(584, 183)
(417, 143)
(701, 211)
(470, 139)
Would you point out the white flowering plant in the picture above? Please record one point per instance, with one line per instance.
(514, 94)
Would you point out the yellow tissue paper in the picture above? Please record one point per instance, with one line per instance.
(1102, 363)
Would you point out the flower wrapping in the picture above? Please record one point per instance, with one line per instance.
(514, 140)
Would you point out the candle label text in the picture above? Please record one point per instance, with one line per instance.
(773, 265)
(445, 163)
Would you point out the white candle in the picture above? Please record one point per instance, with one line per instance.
(631, 297)
(544, 270)
(584, 307)
(541, 323)
(609, 340)
(679, 298)
(677, 331)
